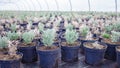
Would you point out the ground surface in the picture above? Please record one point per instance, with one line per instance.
(79, 64)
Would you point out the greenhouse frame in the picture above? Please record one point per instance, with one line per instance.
(59, 33)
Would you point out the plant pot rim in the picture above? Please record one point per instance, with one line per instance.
(37, 48)
(12, 60)
(20, 45)
(117, 48)
(114, 43)
(111, 44)
(78, 44)
(103, 44)
(70, 46)
(87, 40)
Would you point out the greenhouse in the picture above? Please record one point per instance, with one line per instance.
(59, 33)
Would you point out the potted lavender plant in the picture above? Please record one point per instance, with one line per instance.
(28, 47)
(70, 47)
(9, 58)
(48, 54)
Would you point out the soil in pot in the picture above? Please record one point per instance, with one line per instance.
(29, 52)
(49, 56)
(97, 46)
(26, 45)
(111, 51)
(3, 50)
(44, 48)
(10, 61)
(9, 57)
(70, 51)
(110, 42)
(96, 51)
(82, 39)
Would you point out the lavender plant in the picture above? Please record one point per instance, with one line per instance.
(41, 27)
(28, 36)
(48, 37)
(12, 35)
(13, 27)
(115, 36)
(116, 26)
(71, 36)
(69, 26)
(84, 31)
(3, 42)
(109, 28)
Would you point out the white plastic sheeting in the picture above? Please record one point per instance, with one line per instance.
(64, 5)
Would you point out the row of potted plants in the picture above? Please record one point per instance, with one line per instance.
(69, 48)
(40, 44)
(48, 55)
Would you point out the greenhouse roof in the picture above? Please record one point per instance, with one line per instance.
(60, 5)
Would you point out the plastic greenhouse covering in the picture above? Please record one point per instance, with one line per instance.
(59, 33)
(59, 5)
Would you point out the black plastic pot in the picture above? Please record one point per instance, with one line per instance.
(58, 32)
(61, 24)
(70, 53)
(11, 63)
(62, 39)
(6, 29)
(95, 36)
(56, 43)
(76, 28)
(29, 54)
(100, 39)
(62, 31)
(35, 23)
(111, 52)
(118, 57)
(82, 42)
(49, 58)
(23, 24)
(48, 27)
(94, 56)
(40, 43)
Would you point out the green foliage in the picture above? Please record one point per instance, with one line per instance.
(30, 22)
(69, 26)
(41, 27)
(58, 23)
(71, 36)
(28, 36)
(115, 36)
(109, 28)
(13, 27)
(116, 26)
(48, 37)
(84, 31)
(89, 17)
(12, 35)
(3, 42)
(106, 35)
